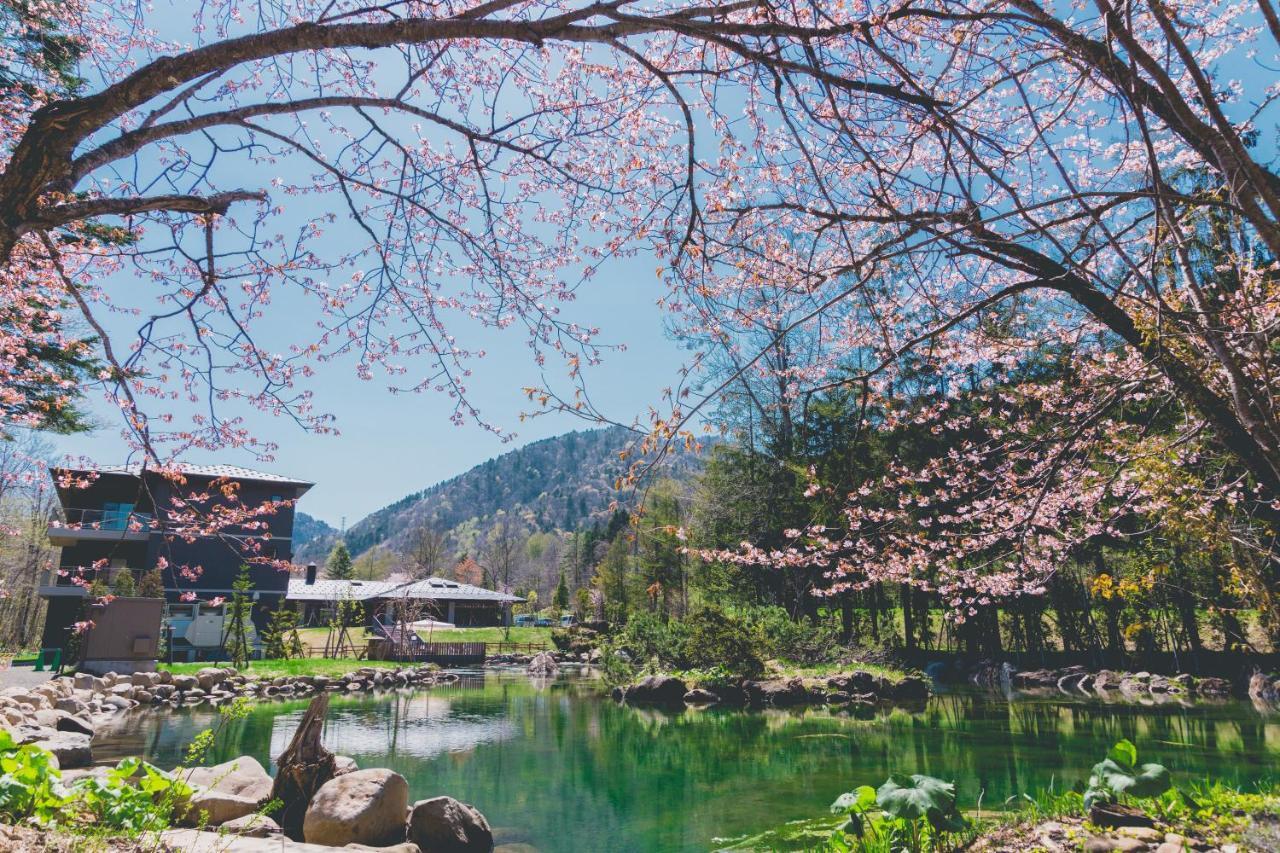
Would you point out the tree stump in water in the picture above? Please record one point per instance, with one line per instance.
(303, 767)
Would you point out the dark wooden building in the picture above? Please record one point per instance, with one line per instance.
(122, 522)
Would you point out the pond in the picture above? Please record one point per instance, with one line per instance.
(558, 766)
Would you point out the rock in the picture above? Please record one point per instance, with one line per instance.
(1147, 834)
(345, 764)
(70, 748)
(362, 807)
(1107, 844)
(403, 847)
(913, 688)
(862, 681)
(698, 696)
(1215, 687)
(185, 682)
(243, 777)
(444, 825)
(209, 677)
(657, 690)
(1105, 680)
(144, 679)
(543, 663)
(75, 724)
(214, 808)
(72, 705)
(252, 826)
(1170, 847)
(777, 692)
(1112, 815)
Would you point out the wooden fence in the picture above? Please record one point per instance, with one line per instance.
(452, 653)
(514, 648)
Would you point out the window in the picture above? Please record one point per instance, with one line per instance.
(115, 516)
(180, 611)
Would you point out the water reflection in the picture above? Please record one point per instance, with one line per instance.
(558, 766)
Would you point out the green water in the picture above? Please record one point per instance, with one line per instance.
(560, 767)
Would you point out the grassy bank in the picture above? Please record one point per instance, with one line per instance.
(489, 635)
(274, 668)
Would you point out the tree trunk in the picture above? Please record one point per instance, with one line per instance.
(304, 766)
(908, 618)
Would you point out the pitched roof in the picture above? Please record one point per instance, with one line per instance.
(334, 590)
(431, 588)
(231, 472)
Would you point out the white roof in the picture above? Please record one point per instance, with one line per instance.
(431, 588)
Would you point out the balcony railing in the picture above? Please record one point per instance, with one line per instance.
(105, 519)
(75, 576)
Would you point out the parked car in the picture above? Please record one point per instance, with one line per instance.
(524, 620)
(568, 620)
(544, 622)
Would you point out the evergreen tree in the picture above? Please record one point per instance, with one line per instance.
(124, 586)
(151, 585)
(236, 640)
(280, 639)
(339, 566)
(562, 594)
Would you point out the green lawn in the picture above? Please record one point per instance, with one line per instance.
(273, 668)
(490, 635)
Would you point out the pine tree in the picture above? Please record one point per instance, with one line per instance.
(236, 639)
(280, 640)
(339, 566)
(124, 586)
(562, 594)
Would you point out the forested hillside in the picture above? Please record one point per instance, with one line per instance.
(561, 483)
(307, 529)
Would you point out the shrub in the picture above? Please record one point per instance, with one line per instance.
(713, 638)
(780, 636)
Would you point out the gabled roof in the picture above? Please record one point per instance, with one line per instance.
(230, 472)
(431, 589)
(332, 590)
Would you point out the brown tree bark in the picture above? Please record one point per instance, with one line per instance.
(304, 767)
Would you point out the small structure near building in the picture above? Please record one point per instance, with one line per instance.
(125, 636)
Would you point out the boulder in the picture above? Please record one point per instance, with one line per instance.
(444, 825)
(72, 705)
(403, 847)
(913, 688)
(75, 723)
(345, 764)
(362, 807)
(185, 682)
(70, 748)
(699, 696)
(243, 777)
(657, 690)
(252, 826)
(209, 677)
(1213, 687)
(544, 663)
(214, 808)
(778, 692)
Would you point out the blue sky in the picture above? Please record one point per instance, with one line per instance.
(393, 444)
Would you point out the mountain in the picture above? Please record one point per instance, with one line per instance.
(556, 484)
(307, 529)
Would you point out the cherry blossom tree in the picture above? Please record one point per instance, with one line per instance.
(964, 183)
